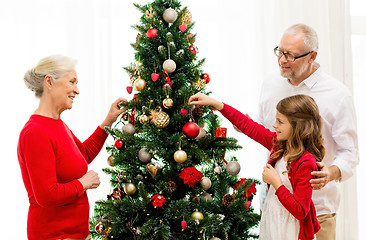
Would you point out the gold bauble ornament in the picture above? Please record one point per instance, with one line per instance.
(110, 160)
(159, 118)
(197, 215)
(169, 65)
(130, 188)
(143, 118)
(168, 103)
(139, 84)
(180, 156)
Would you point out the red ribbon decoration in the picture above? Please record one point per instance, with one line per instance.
(167, 79)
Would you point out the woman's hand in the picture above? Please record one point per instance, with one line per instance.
(90, 180)
(202, 99)
(113, 113)
(270, 176)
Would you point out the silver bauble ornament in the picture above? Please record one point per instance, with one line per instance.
(233, 168)
(128, 129)
(205, 183)
(130, 188)
(169, 65)
(170, 15)
(144, 155)
(206, 196)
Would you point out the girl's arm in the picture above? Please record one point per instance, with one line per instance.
(298, 203)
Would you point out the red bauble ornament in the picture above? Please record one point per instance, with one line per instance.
(129, 89)
(191, 129)
(206, 77)
(118, 144)
(184, 225)
(152, 33)
(154, 77)
(193, 50)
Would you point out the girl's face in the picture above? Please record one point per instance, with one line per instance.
(282, 127)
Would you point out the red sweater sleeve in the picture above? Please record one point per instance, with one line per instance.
(92, 146)
(254, 130)
(298, 203)
(40, 161)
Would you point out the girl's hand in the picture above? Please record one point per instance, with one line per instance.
(113, 113)
(202, 99)
(270, 176)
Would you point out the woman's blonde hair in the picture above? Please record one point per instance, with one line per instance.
(54, 65)
(303, 114)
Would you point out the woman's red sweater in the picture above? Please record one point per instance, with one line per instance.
(52, 160)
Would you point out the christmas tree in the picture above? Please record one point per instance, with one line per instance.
(168, 167)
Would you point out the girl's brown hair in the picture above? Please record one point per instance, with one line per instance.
(303, 114)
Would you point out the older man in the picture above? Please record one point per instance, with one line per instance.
(300, 73)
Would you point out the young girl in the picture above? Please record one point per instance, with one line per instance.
(288, 212)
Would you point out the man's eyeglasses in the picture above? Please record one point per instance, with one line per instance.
(289, 57)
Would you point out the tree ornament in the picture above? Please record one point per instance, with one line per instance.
(168, 102)
(233, 168)
(190, 176)
(183, 224)
(128, 129)
(180, 156)
(197, 215)
(132, 228)
(191, 38)
(187, 18)
(206, 77)
(170, 15)
(99, 228)
(206, 196)
(159, 118)
(217, 169)
(143, 118)
(193, 50)
(221, 132)
(163, 51)
(183, 28)
(169, 65)
(171, 186)
(110, 160)
(247, 204)
(183, 112)
(129, 89)
(118, 144)
(228, 199)
(130, 188)
(152, 169)
(201, 134)
(198, 110)
(158, 201)
(139, 84)
(152, 33)
(191, 129)
(215, 238)
(144, 155)
(124, 116)
(205, 183)
(150, 13)
(154, 77)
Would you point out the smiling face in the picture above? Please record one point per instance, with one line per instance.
(282, 127)
(64, 90)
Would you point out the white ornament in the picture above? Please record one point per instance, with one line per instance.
(233, 168)
(201, 134)
(170, 15)
(144, 155)
(128, 129)
(169, 65)
(206, 183)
